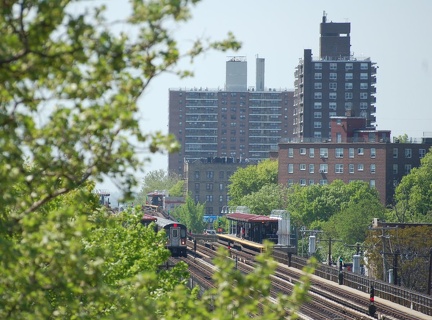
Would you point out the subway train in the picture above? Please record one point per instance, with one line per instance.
(176, 234)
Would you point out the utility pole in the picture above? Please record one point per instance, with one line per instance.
(330, 240)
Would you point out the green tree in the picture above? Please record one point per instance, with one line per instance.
(159, 180)
(251, 179)
(413, 195)
(69, 88)
(191, 214)
(268, 198)
(177, 190)
(315, 204)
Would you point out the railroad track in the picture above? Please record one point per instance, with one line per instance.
(328, 301)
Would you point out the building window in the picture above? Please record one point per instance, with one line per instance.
(372, 183)
(318, 85)
(323, 168)
(407, 168)
(351, 152)
(363, 66)
(363, 105)
(290, 168)
(318, 76)
(422, 153)
(363, 95)
(348, 95)
(317, 125)
(221, 199)
(209, 198)
(302, 166)
(348, 86)
(364, 76)
(209, 186)
(197, 187)
(311, 152)
(332, 105)
(351, 168)
(338, 168)
(221, 174)
(360, 151)
(363, 85)
(408, 153)
(395, 152)
(348, 76)
(302, 182)
(317, 134)
(317, 105)
(333, 76)
(323, 152)
(360, 167)
(317, 95)
(318, 66)
(395, 168)
(196, 198)
(373, 152)
(333, 85)
(332, 95)
(221, 186)
(348, 105)
(339, 152)
(302, 151)
(333, 66)
(317, 115)
(348, 66)
(290, 182)
(197, 175)
(290, 152)
(311, 182)
(332, 114)
(372, 168)
(323, 182)
(311, 168)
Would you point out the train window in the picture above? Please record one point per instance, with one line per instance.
(175, 233)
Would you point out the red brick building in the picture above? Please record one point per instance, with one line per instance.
(354, 152)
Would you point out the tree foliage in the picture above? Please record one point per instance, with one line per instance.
(162, 181)
(314, 204)
(268, 198)
(191, 214)
(414, 194)
(69, 86)
(251, 179)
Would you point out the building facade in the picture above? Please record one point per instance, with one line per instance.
(207, 180)
(334, 84)
(238, 122)
(353, 152)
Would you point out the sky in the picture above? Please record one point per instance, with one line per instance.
(394, 34)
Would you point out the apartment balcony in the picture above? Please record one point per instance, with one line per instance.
(373, 89)
(372, 99)
(373, 80)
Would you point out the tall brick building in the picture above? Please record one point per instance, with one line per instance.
(238, 122)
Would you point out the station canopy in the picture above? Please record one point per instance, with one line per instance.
(248, 217)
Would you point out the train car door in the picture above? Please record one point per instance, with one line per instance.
(175, 236)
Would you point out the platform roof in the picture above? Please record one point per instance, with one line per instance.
(248, 217)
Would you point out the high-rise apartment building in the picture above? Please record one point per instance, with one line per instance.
(238, 122)
(334, 84)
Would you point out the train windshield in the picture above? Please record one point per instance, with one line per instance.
(183, 233)
(175, 233)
